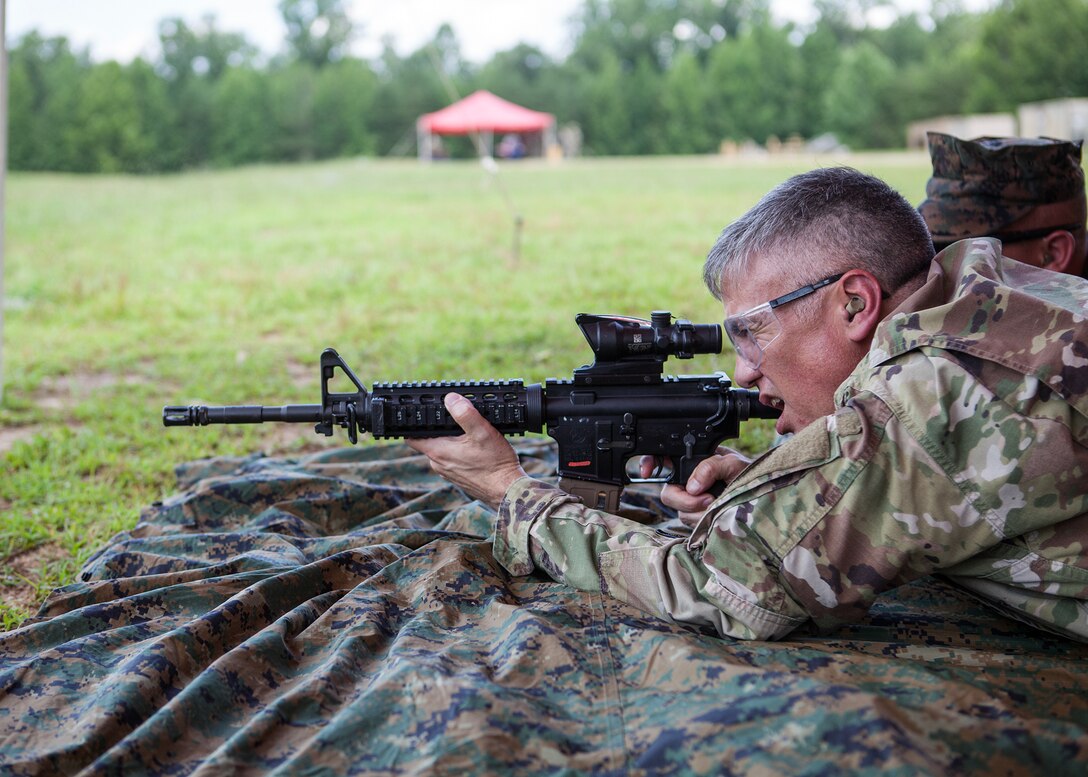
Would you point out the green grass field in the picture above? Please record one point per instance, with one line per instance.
(126, 294)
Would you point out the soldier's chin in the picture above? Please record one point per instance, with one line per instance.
(789, 423)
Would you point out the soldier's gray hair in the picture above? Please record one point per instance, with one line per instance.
(821, 222)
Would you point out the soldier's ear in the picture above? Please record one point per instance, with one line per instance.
(1058, 250)
(860, 296)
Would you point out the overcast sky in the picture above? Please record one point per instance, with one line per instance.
(123, 29)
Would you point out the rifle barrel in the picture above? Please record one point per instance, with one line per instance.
(202, 415)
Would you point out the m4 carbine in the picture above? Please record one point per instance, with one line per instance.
(619, 407)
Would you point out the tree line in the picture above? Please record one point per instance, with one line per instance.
(642, 77)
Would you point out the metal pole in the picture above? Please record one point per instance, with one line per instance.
(3, 167)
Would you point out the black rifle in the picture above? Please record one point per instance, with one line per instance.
(619, 407)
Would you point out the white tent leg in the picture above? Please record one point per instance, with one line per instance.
(424, 144)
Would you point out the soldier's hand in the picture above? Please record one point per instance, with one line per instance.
(480, 461)
(692, 500)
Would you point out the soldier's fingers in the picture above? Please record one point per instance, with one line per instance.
(466, 415)
(713, 470)
(648, 465)
(681, 501)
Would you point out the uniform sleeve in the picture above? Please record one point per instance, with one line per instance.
(541, 527)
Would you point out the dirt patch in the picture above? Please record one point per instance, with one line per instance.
(306, 376)
(14, 434)
(19, 571)
(297, 439)
(57, 392)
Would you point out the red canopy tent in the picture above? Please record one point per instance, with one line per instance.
(483, 113)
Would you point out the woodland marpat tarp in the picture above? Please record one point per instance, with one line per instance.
(342, 613)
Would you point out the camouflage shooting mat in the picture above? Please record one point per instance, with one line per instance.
(342, 613)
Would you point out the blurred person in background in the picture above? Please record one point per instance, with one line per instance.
(1026, 192)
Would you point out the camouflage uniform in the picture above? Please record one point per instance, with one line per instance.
(1008, 188)
(959, 446)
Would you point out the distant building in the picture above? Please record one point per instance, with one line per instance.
(1063, 119)
(977, 125)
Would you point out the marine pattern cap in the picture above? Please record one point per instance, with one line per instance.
(979, 187)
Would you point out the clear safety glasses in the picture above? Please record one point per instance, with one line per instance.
(753, 330)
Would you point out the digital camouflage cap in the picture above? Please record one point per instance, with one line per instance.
(1009, 188)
